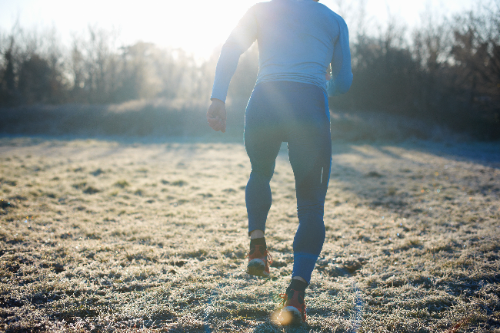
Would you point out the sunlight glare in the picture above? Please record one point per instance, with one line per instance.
(198, 26)
(282, 318)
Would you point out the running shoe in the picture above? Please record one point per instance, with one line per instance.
(259, 260)
(293, 310)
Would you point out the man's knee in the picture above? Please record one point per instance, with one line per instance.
(262, 170)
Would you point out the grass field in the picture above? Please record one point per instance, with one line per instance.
(98, 235)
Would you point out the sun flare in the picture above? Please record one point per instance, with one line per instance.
(198, 26)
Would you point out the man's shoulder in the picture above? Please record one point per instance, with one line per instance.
(321, 9)
(268, 5)
(261, 4)
(258, 7)
(330, 13)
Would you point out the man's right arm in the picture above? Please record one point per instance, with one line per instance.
(341, 63)
(241, 38)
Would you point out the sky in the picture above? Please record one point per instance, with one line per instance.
(198, 26)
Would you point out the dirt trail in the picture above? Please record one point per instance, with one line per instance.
(108, 236)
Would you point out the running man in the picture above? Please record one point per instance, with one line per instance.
(297, 40)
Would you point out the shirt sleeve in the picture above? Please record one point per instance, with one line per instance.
(341, 64)
(240, 39)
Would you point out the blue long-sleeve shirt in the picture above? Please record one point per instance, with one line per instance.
(297, 40)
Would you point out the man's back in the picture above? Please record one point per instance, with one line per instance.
(297, 40)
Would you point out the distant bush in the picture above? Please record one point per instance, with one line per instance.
(448, 74)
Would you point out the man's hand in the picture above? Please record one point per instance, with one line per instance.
(216, 115)
(328, 75)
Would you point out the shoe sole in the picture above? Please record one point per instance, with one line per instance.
(257, 267)
(290, 316)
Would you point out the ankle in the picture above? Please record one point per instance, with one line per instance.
(256, 234)
(258, 241)
(297, 285)
(300, 279)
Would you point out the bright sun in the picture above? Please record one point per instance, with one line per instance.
(198, 26)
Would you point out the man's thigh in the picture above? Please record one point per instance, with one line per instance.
(262, 146)
(310, 156)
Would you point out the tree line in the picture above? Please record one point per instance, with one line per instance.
(446, 70)
(35, 69)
